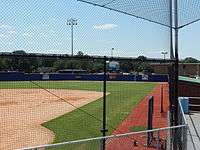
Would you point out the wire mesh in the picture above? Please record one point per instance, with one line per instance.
(154, 10)
(160, 140)
(41, 27)
(45, 88)
(64, 95)
(188, 12)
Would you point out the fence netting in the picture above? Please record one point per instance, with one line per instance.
(160, 139)
(154, 10)
(56, 98)
(51, 99)
(41, 27)
(172, 138)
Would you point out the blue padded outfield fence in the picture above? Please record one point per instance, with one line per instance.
(18, 76)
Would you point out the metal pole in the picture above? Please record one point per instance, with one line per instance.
(72, 22)
(176, 60)
(171, 31)
(158, 140)
(104, 130)
(161, 96)
(171, 67)
(112, 52)
(176, 72)
(72, 39)
(150, 120)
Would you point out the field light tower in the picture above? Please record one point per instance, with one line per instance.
(112, 52)
(164, 53)
(72, 22)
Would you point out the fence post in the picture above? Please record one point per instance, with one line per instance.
(184, 138)
(161, 97)
(158, 140)
(104, 130)
(150, 120)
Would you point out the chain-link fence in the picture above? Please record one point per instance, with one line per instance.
(169, 138)
(57, 98)
(160, 140)
(77, 93)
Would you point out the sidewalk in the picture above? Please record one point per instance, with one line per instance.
(193, 121)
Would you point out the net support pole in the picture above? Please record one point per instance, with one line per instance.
(170, 68)
(176, 61)
(176, 72)
(104, 130)
(171, 29)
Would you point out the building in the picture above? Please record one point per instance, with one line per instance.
(185, 69)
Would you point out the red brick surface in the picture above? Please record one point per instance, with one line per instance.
(138, 117)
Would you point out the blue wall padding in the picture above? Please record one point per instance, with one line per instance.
(10, 76)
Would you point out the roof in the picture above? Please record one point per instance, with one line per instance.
(180, 63)
(187, 79)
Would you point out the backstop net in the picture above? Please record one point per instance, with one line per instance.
(57, 86)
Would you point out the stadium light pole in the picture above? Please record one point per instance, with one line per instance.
(164, 53)
(112, 52)
(72, 22)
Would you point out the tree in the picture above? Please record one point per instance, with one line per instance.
(3, 64)
(127, 66)
(142, 58)
(80, 53)
(144, 67)
(19, 52)
(59, 65)
(190, 60)
(97, 67)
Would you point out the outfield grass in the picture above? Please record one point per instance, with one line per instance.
(77, 125)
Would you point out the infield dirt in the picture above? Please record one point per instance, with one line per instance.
(22, 111)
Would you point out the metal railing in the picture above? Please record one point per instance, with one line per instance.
(161, 139)
(185, 133)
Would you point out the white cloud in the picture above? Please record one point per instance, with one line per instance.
(42, 34)
(3, 35)
(59, 43)
(12, 32)
(5, 26)
(10, 43)
(105, 26)
(52, 31)
(105, 41)
(28, 34)
(30, 42)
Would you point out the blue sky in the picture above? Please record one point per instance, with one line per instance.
(40, 26)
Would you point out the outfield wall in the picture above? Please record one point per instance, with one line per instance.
(6, 76)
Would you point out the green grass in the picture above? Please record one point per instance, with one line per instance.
(78, 125)
(137, 128)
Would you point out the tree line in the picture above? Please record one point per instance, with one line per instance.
(37, 65)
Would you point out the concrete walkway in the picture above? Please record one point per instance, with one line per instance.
(193, 121)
